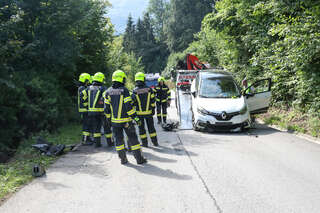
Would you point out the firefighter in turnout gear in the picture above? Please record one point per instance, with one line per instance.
(96, 108)
(120, 112)
(144, 100)
(84, 80)
(163, 100)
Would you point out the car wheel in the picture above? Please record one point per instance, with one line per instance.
(244, 129)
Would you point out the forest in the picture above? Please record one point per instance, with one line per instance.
(46, 44)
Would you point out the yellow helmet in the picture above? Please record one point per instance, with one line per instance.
(140, 76)
(98, 77)
(84, 77)
(119, 76)
(161, 79)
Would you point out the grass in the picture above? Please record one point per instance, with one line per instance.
(17, 171)
(294, 121)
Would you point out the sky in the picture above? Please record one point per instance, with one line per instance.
(122, 8)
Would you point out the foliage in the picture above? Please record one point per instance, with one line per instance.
(124, 61)
(18, 171)
(272, 38)
(139, 40)
(184, 20)
(158, 10)
(44, 46)
(293, 120)
(169, 71)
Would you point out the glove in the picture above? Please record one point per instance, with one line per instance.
(138, 121)
(169, 103)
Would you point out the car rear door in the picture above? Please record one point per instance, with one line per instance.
(258, 96)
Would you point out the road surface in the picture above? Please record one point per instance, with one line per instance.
(264, 171)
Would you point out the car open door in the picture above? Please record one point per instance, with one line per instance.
(258, 96)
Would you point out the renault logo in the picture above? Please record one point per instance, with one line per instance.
(224, 115)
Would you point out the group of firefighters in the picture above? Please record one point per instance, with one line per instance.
(116, 109)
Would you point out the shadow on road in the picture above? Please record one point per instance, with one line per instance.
(176, 150)
(153, 157)
(53, 186)
(150, 169)
(258, 130)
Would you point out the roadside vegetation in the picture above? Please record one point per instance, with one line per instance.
(44, 46)
(17, 171)
(293, 120)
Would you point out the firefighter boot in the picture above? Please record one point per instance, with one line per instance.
(155, 141)
(86, 141)
(97, 142)
(144, 142)
(123, 157)
(138, 156)
(110, 142)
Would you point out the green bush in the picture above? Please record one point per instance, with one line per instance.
(44, 46)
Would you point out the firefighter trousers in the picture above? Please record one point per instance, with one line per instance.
(162, 111)
(107, 131)
(132, 138)
(95, 122)
(151, 130)
(85, 127)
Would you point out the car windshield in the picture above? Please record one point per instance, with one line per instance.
(218, 88)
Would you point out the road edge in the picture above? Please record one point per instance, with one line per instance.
(300, 135)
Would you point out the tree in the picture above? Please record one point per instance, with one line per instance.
(278, 39)
(158, 10)
(184, 21)
(44, 46)
(129, 35)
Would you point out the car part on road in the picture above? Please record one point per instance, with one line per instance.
(170, 126)
(49, 149)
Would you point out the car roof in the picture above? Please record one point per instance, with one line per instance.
(215, 73)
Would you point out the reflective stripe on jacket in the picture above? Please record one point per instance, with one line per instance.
(95, 99)
(144, 99)
(82, 99)
(163, 93)
(118, 105)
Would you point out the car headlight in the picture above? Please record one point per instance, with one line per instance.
(244, 109)
(202, 111)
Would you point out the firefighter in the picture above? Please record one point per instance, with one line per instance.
(144, 100)
(120, 112)
(163, 100)
(96, 106)
(84, 80)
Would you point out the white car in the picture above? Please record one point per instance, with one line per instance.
(219, 104)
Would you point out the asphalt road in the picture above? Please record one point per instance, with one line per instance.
(263, 171)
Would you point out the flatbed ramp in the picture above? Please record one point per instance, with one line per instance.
(184, 109)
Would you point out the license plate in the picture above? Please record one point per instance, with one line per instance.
(223, 123)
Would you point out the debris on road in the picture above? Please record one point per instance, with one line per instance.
(50, 149)
(170, 126)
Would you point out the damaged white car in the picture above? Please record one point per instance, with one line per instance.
(219, 104)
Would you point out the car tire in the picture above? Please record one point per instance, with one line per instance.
(244, 129)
